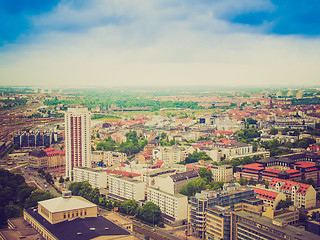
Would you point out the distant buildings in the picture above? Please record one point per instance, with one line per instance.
(77, 139)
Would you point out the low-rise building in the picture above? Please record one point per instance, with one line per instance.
(72, 217)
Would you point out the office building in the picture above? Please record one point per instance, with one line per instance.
(231, 194)
(77, 139)
(246, 225)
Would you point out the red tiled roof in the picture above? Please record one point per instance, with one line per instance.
(249, 171)
(48, 150)
(159, 163)
(292, 171)
(311, 169)
(272, 170)
(122, 173)
(263, 193)
(289, 184)
(255, 166)
(305, 164)
(53, 153)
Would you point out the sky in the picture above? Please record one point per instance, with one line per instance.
(102, 43)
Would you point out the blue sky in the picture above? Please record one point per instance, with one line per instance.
(130, 42)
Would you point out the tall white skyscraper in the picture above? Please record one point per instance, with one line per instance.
(77, 139)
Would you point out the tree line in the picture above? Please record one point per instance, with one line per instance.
(149, 212)
(15, 195)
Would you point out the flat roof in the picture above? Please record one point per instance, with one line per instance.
(177, 195)
(61, 204)
(69, 229)
(288, 229)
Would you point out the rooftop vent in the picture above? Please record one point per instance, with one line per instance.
(66, 194)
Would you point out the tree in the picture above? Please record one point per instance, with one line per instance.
(284, 203)
(193, 187)
(12, 211)
(61, 180)
(129, 207)
(273, 131)
(303, 216)
(205, 174)
(150, 213)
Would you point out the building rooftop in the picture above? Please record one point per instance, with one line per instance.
(80, 229)
(266, 194)
(287, 185)
(177, 195)
(289, 230)
(90, 169)
(184, 176)
(64, 204)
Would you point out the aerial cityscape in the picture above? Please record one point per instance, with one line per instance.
(159, 120)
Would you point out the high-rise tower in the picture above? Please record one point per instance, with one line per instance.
(77, 139)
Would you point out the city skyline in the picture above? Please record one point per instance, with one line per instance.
(159, 43)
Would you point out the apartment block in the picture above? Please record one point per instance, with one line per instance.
(269, 197)
(302, 195)
(96, 178)
(172, 184)
(173, 206)
(77, 139)
(124, 188)
(222, 173)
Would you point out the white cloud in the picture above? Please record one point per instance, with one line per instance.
(156, 43)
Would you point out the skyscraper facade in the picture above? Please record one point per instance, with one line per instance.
(77, 139)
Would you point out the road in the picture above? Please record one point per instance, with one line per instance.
(31, 175)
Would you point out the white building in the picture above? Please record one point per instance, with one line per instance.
(123, 188)
(169, 155)
(172, 184)
(222, 173)
(174, 207)
(96, 178)
(77, 139)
